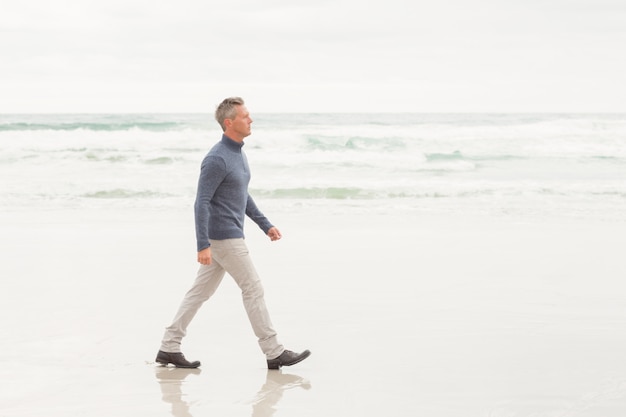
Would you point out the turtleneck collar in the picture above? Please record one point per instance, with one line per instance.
(231, 143)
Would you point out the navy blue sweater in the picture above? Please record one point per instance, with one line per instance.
(222, 201)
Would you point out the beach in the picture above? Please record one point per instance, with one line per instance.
(449, 179)
(422, 315)
(439, 265)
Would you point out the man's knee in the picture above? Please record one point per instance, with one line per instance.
(252, 288)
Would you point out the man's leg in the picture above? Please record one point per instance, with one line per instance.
(205, 285)
(233, 255)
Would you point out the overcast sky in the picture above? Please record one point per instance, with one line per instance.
(319, 55)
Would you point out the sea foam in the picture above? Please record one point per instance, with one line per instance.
(536, 165)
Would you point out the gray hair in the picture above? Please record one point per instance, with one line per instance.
(227, 109)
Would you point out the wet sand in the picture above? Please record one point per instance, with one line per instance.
(405, 315)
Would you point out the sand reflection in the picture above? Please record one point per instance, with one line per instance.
(171, 383)
(276, 383)
(264, 403)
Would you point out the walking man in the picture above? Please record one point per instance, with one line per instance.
(222, 202)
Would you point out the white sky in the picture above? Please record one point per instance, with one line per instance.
(323, 55)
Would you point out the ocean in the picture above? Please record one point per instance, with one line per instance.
(535, 166)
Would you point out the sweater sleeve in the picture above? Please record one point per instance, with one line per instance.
(255, 214)
(212, 173)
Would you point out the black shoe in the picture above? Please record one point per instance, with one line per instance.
(177, 359)
(287, 358)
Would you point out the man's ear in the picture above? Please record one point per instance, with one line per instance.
(228, 123)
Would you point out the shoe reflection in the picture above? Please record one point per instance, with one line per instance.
(264, 404)
(171, 382)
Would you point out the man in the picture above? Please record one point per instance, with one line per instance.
(222, 202)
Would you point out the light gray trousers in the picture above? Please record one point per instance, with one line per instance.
(229, 255)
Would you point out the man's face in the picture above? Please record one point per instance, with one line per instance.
(241, 124)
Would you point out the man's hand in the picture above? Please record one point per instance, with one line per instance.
(274, 234)
(204, 256)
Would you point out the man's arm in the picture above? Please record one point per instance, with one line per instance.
(255, 214)
(212, 173)
(259, 218)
